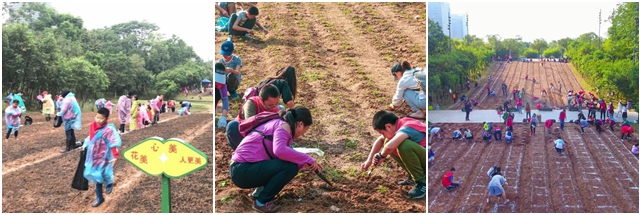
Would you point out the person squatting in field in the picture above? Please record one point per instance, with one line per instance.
(408, 90)
(71, 118)
(266, 101)
(447, 180)
(12, 118)
(233, 64)
(124, 110)
(185, 108)
(405, 139)
(102, 152)
(48, 107)
(221, 93)
(559, 145)
(242, 23)
(270, 164)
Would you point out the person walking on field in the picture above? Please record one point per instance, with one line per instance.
(534, 124)
(603, 109)
(48, 107)
(71, 118)
(619, 108)
(563, 116)
(467, 110)
(124, 110)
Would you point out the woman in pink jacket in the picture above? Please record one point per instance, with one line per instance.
(268, 164)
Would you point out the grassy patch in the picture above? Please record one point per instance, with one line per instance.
(223, 183)
(351, 144)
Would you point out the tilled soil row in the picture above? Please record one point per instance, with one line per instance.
(595, 173)
(189, 194)
(51, 179)
(37, 155)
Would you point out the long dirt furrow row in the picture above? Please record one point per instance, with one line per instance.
(590, 182)
(463, 172)
(612, 171)
(482, 96)
(540, 192)
(563, 186)
(522, 138)
(512, 170)
(56, 175)
(479, 187)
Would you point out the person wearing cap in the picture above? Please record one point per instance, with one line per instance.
(48, 107)
(405, 140)
(124, 110)
(408, 90)
(233, 64)
(71, 118)
(221, 89)
(18, 96)
(242, 23)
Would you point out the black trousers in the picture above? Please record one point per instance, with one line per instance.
(467, 116)
(247, 24)
(9, 134)
(603, 114)
(272, 174)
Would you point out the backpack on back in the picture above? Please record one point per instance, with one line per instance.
(253, 91)
(250, 124)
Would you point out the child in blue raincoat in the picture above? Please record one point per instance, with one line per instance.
(102, 153)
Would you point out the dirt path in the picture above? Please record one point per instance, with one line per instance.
(596, 173)
(341, 59)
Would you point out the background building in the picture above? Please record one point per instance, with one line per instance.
(439, 12)
(458, 26)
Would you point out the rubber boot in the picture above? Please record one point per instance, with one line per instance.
(122, 128)
(109, 188)
(67, 147)
(99, 197)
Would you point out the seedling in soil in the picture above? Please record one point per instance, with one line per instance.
(375, 92)
(352, 172)
(301, 175)
(351, 144)
(356, 158)
(223, 183)
(381, 189)
(226, 199)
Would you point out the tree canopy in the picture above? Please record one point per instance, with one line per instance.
(610, 65)
(53, 51)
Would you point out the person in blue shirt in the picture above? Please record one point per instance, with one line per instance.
(508, 136)
(431, 156)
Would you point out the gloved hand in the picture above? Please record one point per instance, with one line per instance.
(222, 122)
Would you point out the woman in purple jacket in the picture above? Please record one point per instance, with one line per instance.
(268, 164)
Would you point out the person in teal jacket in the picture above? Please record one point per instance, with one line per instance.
(18, 96)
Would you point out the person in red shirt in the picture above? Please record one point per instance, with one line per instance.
(548, 124)
(510, 122)
(603, 109)
(447, 180)
(626, 130)
(563, 116)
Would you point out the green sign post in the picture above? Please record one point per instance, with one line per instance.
(170, 159)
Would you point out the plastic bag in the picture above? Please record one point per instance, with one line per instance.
(222, 25)
(79, 182)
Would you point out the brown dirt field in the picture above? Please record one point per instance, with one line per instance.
(42, 184)
(343, 53)
(513, 75)
(596, 173)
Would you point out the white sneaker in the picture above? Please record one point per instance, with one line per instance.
(418, 115)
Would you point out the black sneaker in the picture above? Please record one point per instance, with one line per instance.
(418, 191)
(408, 181)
